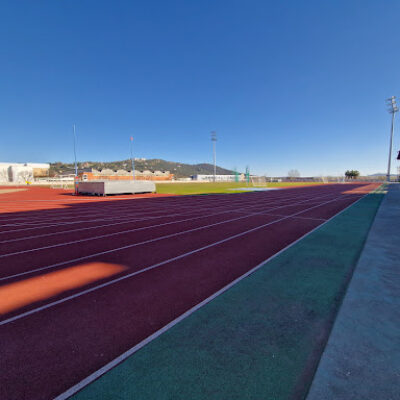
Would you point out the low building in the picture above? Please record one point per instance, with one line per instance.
(218, 178)
(22, 172)
(121, 174)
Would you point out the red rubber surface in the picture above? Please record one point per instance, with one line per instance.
(46, 352)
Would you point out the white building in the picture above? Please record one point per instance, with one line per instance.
(22, 172)
(218, 178)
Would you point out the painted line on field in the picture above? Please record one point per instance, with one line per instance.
(126, 221)
(119, 216)
(133, 245)
(146, 241)
(193, 207)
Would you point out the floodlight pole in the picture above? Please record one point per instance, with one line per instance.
(132, 160)
(392, 110)
(76, 164)
(214, 140)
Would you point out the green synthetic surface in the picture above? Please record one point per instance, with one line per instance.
(262, 338)
(187, 188)
(183, 188)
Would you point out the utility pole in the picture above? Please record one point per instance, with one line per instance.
(392, 110)
(214, 140)
(247, 175)
(132, 159)
(76, 164)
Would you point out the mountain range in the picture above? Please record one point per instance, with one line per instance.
(180, 170)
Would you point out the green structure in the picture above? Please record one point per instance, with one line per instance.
(236, 175)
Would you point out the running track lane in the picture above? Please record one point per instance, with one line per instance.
(209, 227)
(45, 353)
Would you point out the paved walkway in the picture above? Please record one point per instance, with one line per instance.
(362, 358)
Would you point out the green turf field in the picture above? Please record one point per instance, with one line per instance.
(219, 187)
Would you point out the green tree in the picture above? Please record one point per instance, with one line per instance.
(352, 174)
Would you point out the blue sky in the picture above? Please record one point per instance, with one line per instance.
(291, 84)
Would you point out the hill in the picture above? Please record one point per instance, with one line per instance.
(180, 170)
(381, 174)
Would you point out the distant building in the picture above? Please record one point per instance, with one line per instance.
(218, 178)
(22, 172)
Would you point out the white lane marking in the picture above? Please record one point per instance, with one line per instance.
(151, 267)
(279, 215)
(122, 248)
(177, 200)
(101, 371)
(195, 207)
(43, 225)
(106, 225)
(118, 223)
(143, 228)
(171, 201)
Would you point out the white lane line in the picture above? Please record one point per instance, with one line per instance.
(139, 229)
(103, 226)
(279, 215)
(43, 223)
(177, 201)
(247, 204)
(138, 212)
(126, 221)
(118, 360)
(151, 267)
(120, 206)
(119, 249)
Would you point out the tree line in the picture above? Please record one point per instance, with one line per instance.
(352, 174)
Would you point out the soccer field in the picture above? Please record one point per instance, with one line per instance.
(218, 187)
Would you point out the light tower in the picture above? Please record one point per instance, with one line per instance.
(76, 164)
(132, 160)
(392, 110)
(214, 140)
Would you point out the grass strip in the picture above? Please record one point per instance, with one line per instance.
(183, 188)
(261, 339)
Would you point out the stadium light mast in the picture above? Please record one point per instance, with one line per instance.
(76, 164)
(132, 160)
(214, 140)
(392, 110)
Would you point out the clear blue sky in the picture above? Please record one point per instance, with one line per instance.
(290, 84)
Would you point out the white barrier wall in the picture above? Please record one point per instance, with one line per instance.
(4, 173)
(19, 173)
(218, 178)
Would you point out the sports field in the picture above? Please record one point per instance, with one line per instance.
(182, 188)
(86, 282)
(220, 187)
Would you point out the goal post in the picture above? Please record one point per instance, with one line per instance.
(259, 181)
(60, 185)
(61, 182)
(321, 178)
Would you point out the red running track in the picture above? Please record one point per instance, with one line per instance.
(84, 280)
